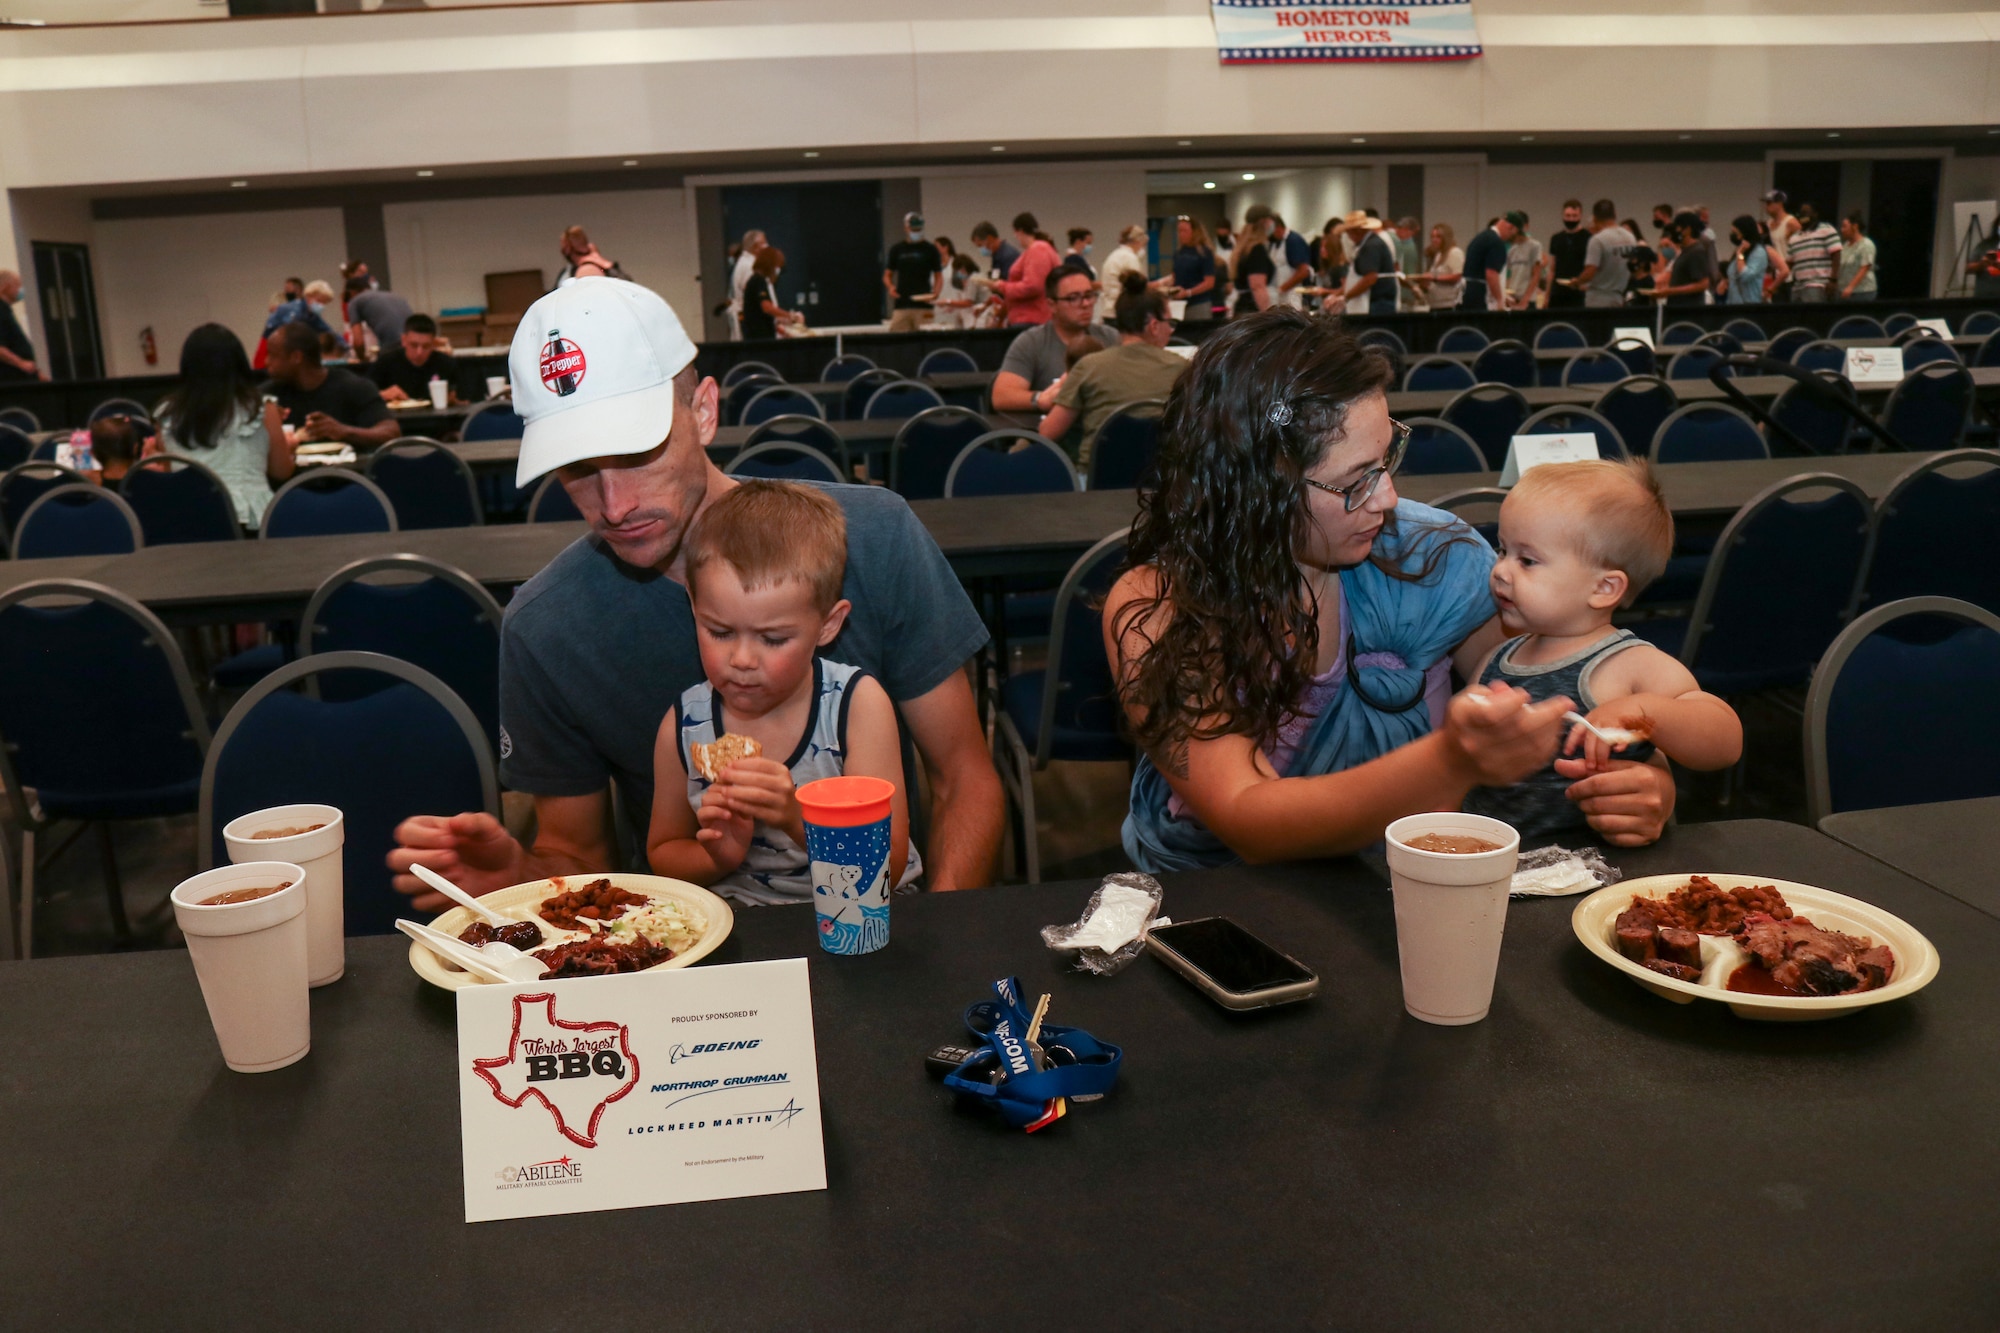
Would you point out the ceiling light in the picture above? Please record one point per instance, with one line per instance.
(1527, 138)
(1187, 143)
(1249, 175)
(1993, 131)
(237, 185)
(631, 162)
(999, 147)
(1687, 136)
(1833, 134)
(427, 172)
(812, 152)
(1210, 185)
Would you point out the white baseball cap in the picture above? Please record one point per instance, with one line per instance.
(593, 368)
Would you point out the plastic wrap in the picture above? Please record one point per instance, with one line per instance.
(1112, 930)
(1556, 872)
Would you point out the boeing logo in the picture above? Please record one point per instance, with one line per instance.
(679, 1052)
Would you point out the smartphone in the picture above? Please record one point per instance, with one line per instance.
(1230, 965)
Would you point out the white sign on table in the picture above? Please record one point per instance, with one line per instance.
(1185, 351)
(648, 1088)
(1525, 452)
(1937, 328)
(1641, 334)
(1874, 365)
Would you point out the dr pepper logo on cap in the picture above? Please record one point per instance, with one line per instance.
(562, 365)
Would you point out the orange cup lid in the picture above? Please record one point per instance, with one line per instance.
(845, 802)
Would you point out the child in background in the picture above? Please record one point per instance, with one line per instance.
(115, 443)
(764, 568)
(1578, 541)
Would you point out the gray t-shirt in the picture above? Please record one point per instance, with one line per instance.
(593, 652)
(384, 312)
(1607, 251)
(1038, 355)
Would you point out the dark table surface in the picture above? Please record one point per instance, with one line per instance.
(1023, 535)
(1590, 1156)
(1430, 402)
(1948, 844)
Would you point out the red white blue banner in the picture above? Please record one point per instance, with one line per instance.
(1250, 32)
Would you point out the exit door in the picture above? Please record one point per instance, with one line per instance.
(831, 236)
(69, 311)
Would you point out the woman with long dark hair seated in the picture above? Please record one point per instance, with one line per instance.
(1285, 635)
(216, 415)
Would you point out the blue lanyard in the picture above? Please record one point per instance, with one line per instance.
(1001, 1070)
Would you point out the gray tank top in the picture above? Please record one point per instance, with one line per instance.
(1540, 805)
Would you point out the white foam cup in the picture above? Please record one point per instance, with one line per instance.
(495, 385)
(1451, 909)
(319, 852)
(440, 394)
(250, 959)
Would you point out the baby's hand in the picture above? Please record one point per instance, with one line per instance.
(761, 789)
(1618, 715)
(724, 834)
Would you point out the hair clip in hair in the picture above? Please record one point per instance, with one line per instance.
(1281, 414)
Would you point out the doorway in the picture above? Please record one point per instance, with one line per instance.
(69, 311)
(831, 236)
(1902, 220)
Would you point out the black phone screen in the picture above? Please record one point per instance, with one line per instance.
(1233, 958)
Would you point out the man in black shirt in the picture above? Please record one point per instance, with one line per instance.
(1566, 249)
(320, 402)
(1486, 263)
(915, 271)
(405, 371)
(17, 354)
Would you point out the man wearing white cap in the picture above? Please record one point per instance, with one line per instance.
(598, 646)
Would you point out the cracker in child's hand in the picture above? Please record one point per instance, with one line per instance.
(711, 759)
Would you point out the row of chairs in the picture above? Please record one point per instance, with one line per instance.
(848, 365)
(1559, 335)
(1931, 409)
(399, 663)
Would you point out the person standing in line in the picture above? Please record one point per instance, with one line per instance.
(999, 254)
(381, 313)
(1663, 223)
(1605, 259)
(1857, 260)
(952, 309)
(1523, 280)
(1409, 263)
(761, 312)
(1565, 258)
(739, 278)
(1128, 257)
(585, 260)
(308, 310)
(1692, 275)
(1291, 257)
(17, 353)
(1749, 261)
(1256, 273)
(1025, 288)
(1194, 271)
(1443, 278)
(1371, 286)
(914, 277)
(1486, 264)
(1781, 226)
(1814, 250)
(1078, 254)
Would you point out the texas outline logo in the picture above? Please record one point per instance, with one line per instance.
(570, 1096)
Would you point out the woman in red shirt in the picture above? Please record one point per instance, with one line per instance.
(1025, 288)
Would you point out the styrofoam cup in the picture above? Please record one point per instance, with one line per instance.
(320, 853)
(440, 394)
(495, 385)
(250, 959)
(1451, 910)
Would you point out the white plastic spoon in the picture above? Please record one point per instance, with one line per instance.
(1609, 735)
(493, 966)
(458, 895)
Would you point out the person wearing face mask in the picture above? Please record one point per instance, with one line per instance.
(1078, 254)
(1749, 261)
(1565, 258)
(306, 310)
(17, 354)
(914, 277)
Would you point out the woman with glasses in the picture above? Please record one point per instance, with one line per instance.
(1285, 634)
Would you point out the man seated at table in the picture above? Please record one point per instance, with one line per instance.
(322, 402)
(1033, 367)
(598, 646)
(404, 373)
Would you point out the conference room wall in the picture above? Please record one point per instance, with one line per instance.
(174, 273)
(1304, 198)
(1104, 199)
(440, 250)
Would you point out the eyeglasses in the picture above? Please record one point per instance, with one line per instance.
(1079, 298)
(1356, 493)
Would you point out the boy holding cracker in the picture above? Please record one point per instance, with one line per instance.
(764, 567)
(1577, 542)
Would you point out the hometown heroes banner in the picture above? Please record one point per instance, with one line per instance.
(1251, 32)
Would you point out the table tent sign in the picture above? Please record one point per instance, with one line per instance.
(1254, 32)
(1531, 451)
(1937, 328)
(1874, 365)
(647, 1088)
(1638, 333)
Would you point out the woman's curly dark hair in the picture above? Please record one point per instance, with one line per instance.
(1265, 398)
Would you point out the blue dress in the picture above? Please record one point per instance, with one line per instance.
(1416, 622)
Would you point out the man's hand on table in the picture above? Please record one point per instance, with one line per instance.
(473, 851)
(320, 426)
